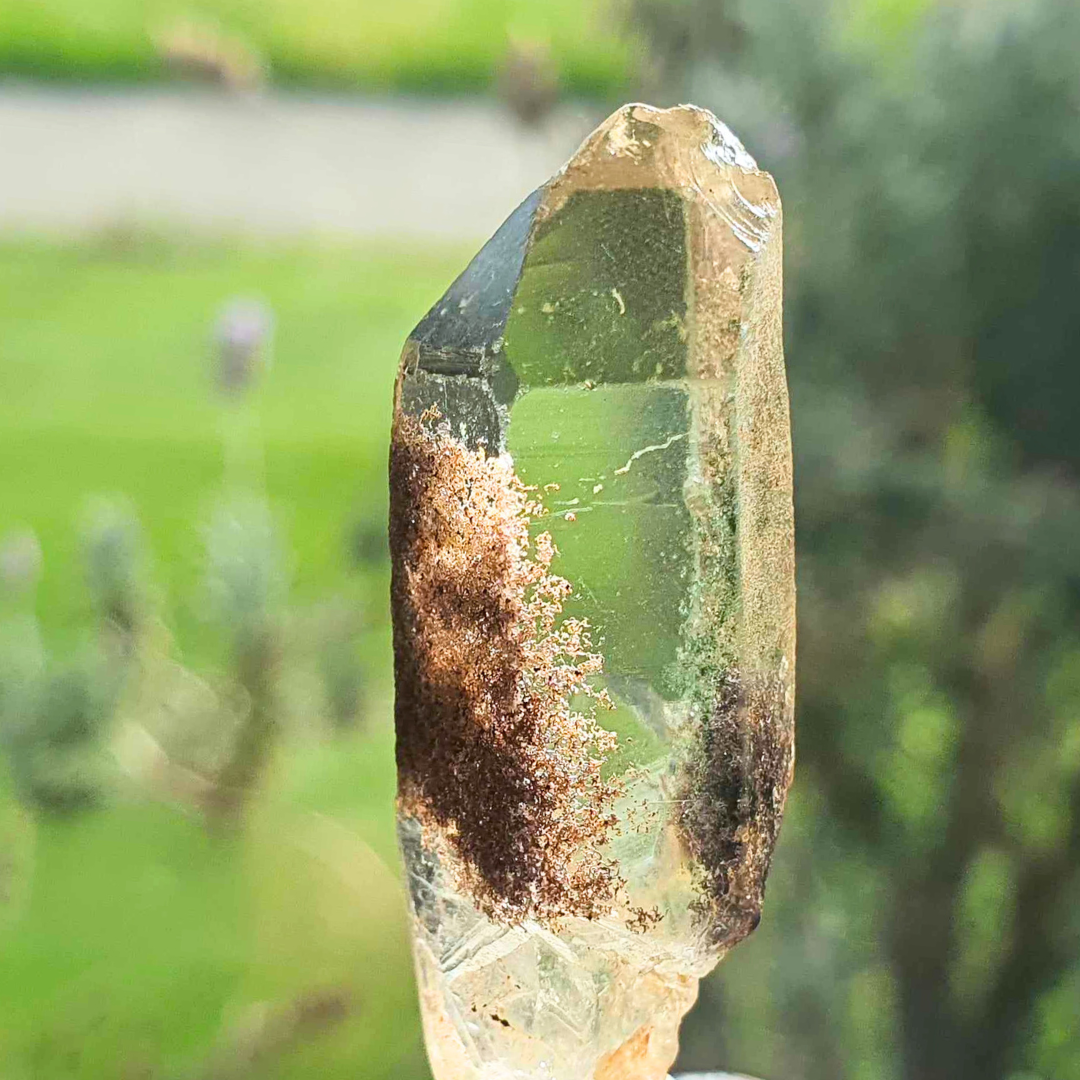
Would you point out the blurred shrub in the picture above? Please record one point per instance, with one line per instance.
(116, 576)
(53, 716)
(55, 741)
(247, 587)
(336, 631)
(922, 919)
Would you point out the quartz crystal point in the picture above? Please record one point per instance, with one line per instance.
(593, 600)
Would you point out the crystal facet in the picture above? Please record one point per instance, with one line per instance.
(593, 597)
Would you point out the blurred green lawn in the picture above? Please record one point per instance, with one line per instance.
(425, 45)
(132, 944)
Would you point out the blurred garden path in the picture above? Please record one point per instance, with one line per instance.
(270, 164)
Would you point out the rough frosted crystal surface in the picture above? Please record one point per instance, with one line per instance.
(593, 595)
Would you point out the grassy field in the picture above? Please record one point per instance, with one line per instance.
(132, 944)
(425, 45)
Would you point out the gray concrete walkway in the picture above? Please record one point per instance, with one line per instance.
(272, 164)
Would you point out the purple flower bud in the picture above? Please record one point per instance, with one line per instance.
(242, 338)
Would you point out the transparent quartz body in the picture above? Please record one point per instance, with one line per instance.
(611, 346)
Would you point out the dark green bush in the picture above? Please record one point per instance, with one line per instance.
(922, 919)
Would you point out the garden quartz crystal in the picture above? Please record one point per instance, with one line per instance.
(593, 599)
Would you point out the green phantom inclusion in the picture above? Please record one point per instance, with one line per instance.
(616, 347)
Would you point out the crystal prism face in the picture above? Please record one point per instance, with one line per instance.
(593, 600)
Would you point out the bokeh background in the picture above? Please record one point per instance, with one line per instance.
(219, 220)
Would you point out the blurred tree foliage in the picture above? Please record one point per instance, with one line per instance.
(926, 905)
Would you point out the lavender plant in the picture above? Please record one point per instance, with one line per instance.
(247, 589)
(124, 698)
(55, 715)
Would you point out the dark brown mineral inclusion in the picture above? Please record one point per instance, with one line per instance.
(489, 745)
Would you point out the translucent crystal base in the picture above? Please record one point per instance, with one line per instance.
(593, 1001)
